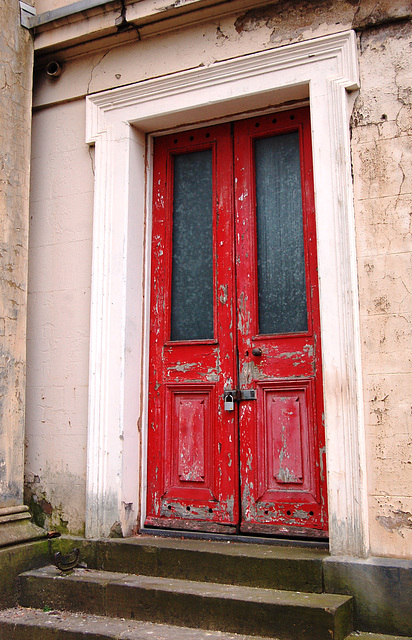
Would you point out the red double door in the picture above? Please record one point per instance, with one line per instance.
(235, 433)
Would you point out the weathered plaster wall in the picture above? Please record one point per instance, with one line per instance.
(58, 317)
(202, 45)
(48, 5)
(382, 154)
(62, 209)
(16, 56)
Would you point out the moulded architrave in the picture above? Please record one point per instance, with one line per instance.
(326, 70)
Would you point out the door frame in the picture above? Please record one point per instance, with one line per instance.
(118, 121)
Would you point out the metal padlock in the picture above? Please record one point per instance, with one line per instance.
(229, 401)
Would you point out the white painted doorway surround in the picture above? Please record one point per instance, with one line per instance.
(118, 121)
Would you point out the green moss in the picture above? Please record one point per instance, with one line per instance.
(14, 560)
(62, 525)
(38, 515)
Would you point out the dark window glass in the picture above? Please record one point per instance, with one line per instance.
(281, 261)
(192, 255)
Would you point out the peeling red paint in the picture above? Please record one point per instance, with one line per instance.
(196, 446)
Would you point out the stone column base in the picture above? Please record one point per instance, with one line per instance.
(15, 526)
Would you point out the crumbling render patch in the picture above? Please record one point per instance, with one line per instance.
(116, 530)
(49, 510)
(290, 19)
(272, 15)
(397, 521)
(220, 36)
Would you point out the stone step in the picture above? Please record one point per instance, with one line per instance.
(34, 624)
(254, 565)
(255, 611)
(21, 623)
(364, 635)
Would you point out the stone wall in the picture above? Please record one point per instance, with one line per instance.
(16, 56)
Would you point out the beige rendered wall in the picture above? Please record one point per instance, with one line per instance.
(58, 317)
(61, 241)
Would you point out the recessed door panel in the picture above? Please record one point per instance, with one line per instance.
(190, 434)
(286, 424)
(236, 439)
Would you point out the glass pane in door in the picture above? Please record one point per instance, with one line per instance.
(280, 247)
(192, 253)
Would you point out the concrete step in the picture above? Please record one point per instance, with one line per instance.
(288, 568)
(286, 615)
(34, 624)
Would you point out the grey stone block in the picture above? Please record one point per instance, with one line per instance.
(382, 591)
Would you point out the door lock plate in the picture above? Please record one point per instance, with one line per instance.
(248, 394)
(235, 395)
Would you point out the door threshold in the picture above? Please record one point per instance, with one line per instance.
(221, 537)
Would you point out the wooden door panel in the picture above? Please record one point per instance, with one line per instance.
(283, 486)
(192, 442)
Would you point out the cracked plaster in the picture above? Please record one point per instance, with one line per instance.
(382, 149)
